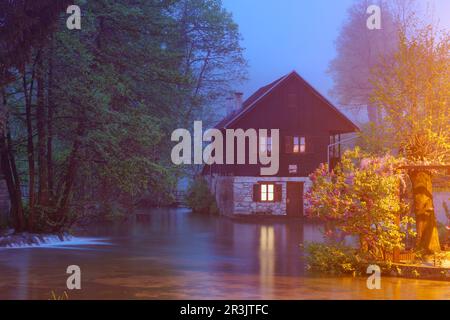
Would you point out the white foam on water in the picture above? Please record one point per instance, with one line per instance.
(68, 242)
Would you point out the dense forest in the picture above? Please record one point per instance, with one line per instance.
(86, 115)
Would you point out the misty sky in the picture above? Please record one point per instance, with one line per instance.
(283, 35)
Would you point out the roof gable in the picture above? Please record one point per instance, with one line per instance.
(262, 92)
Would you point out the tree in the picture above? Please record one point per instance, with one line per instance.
(212, 55)
(23, 25)
(200, 199)
(362, 197)
(413, 90)
(90, 111)
(359, 50)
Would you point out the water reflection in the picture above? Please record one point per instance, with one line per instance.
(173, 254)
(266, 257)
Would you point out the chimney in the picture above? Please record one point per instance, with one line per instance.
(238, 100)
(230, 105)
(234, 103)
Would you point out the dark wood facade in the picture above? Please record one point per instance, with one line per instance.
(291, 105)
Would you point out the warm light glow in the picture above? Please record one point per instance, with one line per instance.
(267, 256)
(299, 145)
(270, 193)
(267, 192)
(302, 145)
(263, 192)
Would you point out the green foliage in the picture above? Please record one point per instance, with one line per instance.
(111, 212)
(3, 224)
(333, 259)
(413, 90)
(373, 139)
(24, 25)
(362, 197)
(200, 199)
(116, 89)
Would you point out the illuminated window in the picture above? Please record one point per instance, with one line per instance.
(267, 192)
(299, 144)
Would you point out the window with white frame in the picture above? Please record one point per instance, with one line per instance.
(267, 192)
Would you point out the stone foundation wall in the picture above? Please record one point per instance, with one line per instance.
(234, 195)
(243, 195)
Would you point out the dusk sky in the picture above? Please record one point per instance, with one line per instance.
(280, 36)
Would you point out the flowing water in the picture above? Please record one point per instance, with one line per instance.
(174, 254)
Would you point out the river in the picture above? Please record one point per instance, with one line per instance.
(174, 254)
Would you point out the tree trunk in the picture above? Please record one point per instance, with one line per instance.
(30, 149)
(13, 189)
(427, 233)
(70, 174)
(9, 171)
(42, 137)
(50, 108)
(16, 178)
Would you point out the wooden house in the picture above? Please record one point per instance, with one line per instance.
(310, 129)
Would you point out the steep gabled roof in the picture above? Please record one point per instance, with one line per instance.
(249, 102)
(262, 92)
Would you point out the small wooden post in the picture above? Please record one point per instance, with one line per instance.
(396, 252)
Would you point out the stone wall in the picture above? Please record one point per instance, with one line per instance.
(234, 195)
(243, 195)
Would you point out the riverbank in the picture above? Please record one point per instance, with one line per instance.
(415, 271)
(338, 259)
